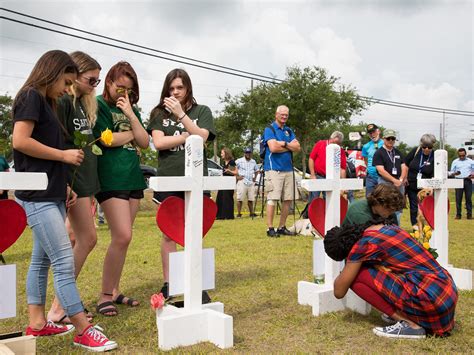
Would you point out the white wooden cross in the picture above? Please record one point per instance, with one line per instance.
(321, 297)
(195, 322)
(24, 344)
(440, 238)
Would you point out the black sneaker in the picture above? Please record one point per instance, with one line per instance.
(272, 233)
(164, 290)
(284, 231)
(239, 215)
(205, 297)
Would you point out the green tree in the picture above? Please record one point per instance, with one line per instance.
(6, 125)
(316, 101)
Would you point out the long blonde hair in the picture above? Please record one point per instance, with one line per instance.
(89, 102)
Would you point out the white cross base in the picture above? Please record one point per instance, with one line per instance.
(195, 322)
(23, 344)
(440, 238)
(16, 181)
(321, 297)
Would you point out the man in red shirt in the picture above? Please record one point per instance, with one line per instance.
(317, 160)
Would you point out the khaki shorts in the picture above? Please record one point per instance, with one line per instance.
(245, 191)
(279, 185)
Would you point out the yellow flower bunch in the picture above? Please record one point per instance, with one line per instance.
(424, 238)
(107, 137)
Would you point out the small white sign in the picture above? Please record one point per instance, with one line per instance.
(176, 273)
(354, 136)
(8, 291)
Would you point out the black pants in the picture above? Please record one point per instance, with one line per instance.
(413, 199)
(467, 189)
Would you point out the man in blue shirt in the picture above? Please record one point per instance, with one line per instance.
(278, 165)
(463, 168)
(368, 151)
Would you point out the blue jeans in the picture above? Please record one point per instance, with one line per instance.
(51, 247)
(315, 194)
(370, 183)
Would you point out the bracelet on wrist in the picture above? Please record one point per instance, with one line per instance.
(180, 118)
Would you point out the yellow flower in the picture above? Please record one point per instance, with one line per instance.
(426, 245)
(107, 137)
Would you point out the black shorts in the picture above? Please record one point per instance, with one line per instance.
(160, 196)
(122, 194)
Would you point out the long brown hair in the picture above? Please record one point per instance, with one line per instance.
(165, 92)
(228, 156)
(118, 70)
(85, 63)
(46, 72)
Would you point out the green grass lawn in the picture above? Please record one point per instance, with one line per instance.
(256, 279)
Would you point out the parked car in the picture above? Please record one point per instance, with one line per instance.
(148, 172)
(213, 169)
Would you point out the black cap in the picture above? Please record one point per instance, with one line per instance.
(248, 150)
(371, 127)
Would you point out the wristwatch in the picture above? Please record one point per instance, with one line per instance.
(286, 144)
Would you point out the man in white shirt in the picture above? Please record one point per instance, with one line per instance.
(247, 168)
(463, 168)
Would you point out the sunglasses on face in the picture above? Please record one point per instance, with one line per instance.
(92, 81)
(391, 138)
(426, 147)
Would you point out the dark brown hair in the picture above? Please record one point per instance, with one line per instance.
(386, 195)
(165, 92)
(122, 69)
(46, 72)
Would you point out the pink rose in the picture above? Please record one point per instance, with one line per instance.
(157, 301)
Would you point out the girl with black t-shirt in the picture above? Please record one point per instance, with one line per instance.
(38, 143)
(176, 117)
(77, 112)
(225, 198)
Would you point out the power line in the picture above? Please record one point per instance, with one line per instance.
(272, 80)
(138, 46)
(132, 50)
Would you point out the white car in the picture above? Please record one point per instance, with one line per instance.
(213, 169)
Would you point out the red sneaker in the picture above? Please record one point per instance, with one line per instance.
(94, 340)
(50, 329)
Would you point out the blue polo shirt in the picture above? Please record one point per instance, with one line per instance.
(278, 161)
(368, 151)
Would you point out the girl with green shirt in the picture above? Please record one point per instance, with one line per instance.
(176, 117)
(77, 111)
(121, 181)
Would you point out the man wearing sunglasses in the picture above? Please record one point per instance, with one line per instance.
(390, 165)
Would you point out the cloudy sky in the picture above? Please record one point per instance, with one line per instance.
(413, 51)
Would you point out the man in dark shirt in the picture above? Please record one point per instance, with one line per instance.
(390, 165)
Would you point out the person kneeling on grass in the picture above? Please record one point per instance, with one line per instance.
(393, 272)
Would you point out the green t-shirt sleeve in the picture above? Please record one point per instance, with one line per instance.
(104, 119)
(155, 122)
(206, 121)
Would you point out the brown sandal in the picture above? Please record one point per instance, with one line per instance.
(107, 307)
(130, 301)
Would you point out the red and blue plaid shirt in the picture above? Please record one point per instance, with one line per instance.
(408, 277)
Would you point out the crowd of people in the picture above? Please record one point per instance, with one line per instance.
(58, 103)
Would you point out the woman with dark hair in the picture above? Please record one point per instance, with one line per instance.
(176, 117)
(121, 180)
(77, 112)
(393, 272)
(420, 163)
(225, 198)
(38, 146)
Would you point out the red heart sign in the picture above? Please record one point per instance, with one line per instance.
(13, 219)
(170, 217)
(317, 213)
(427, 208)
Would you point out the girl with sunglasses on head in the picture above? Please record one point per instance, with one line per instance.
(77, 112)
(38, 146)
(420, 163)
(121, 180)
(176, 117)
